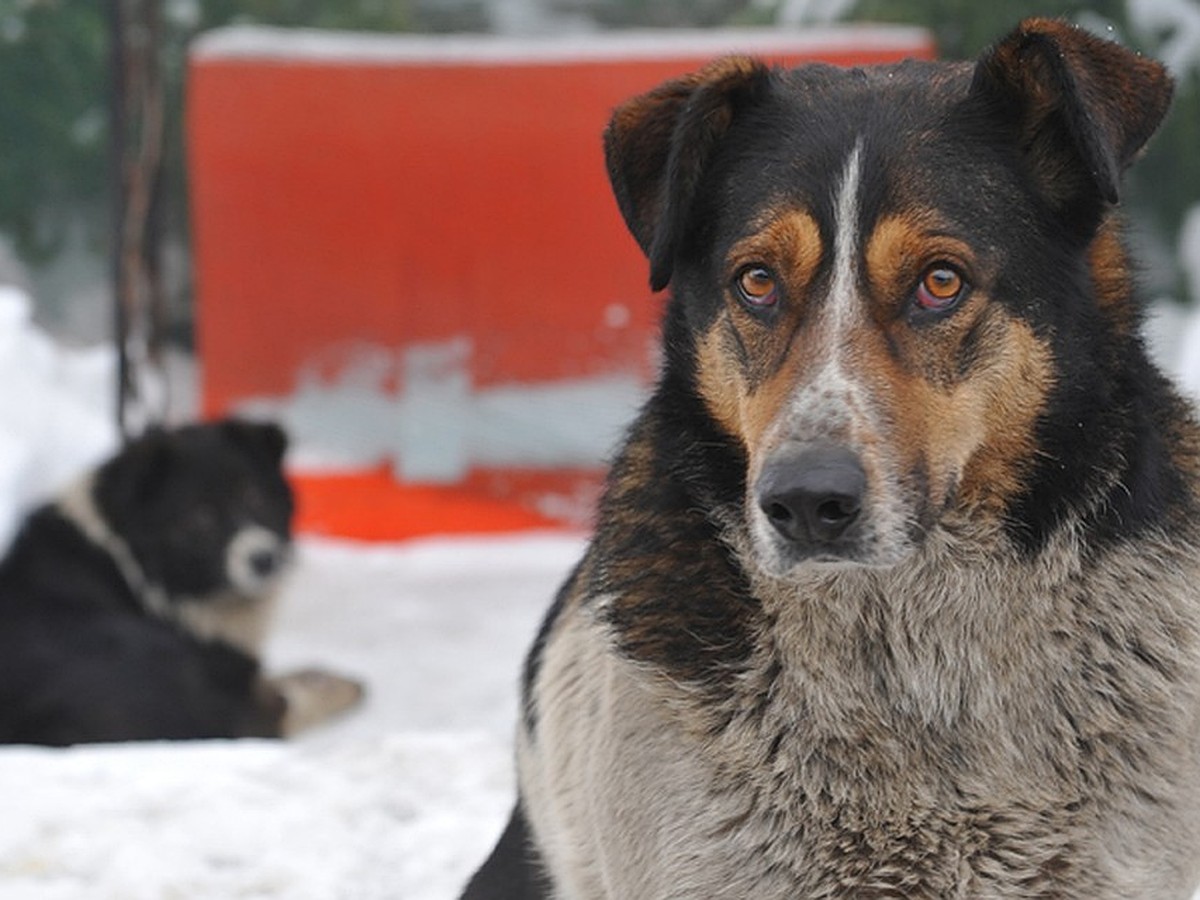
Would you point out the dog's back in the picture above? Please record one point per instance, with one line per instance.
(894, 585)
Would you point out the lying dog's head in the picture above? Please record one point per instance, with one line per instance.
(198, 519)
(887, 277)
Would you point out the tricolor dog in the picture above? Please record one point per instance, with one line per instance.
(895, 588)
(133, 606)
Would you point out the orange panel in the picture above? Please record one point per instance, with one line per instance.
(399, 191)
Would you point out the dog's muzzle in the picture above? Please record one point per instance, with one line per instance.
(255, 559)
(812, 495)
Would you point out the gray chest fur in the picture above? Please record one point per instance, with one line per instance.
(923, 735)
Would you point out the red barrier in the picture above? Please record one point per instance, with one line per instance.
(357, 197)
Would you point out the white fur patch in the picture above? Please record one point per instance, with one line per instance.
(254, 559)
(833, 405)
(77, 505)
(843, 302)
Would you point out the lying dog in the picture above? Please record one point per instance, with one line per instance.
(895, 589)
(133, 607)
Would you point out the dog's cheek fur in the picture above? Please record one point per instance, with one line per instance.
(963, 393)
(978, 434)
(652, 525)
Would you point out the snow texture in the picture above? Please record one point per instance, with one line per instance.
(321, 47)
(56, 410)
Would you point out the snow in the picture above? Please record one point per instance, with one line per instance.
(416, 410)
(401, 816)
(322, 47)
(1179, 20)
(55, 409)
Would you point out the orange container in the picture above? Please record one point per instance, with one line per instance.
(401, 241)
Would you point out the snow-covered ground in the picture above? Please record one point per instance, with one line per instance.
(401, 798)
(397, 800)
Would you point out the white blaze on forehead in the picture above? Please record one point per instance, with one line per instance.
(843, 296)
(830, 403)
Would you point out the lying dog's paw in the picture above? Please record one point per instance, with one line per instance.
(311, 696)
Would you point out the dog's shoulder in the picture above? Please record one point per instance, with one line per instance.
(53, 564)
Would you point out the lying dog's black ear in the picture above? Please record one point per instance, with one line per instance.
(657, 144)
(1080, 106)
(265, 440)
(136, 475)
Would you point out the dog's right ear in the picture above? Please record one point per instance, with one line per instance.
(265, 440)
(657, 145)
(136, 475)
(1079, 108)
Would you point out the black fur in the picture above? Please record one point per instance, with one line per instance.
(83, 656)
(513, 871)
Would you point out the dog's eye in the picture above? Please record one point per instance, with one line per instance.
(756, 286)
(941, 288)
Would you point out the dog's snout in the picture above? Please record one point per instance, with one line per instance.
(265, 561)
(255, 558)
(812, 495)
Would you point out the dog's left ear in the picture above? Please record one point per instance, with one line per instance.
(1080, 107)
(266, 440)
(658, 144)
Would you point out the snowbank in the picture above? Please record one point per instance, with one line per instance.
(403, 816)
(56, 409)
(316, 46)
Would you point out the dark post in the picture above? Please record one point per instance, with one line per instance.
(136, 118)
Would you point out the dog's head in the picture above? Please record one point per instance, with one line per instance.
(204, 510)
(891, 279)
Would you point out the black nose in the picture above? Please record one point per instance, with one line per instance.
(812, 494)
(264, 562)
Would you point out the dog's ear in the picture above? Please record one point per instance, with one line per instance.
(267, 441)
(1080, 106)
(657, 145)
(136, 475)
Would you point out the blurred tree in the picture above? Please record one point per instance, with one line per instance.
(53, 129)
(54, 126)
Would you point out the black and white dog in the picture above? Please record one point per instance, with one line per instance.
(133, 606)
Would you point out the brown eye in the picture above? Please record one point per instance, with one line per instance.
(756, 286)
(941, 288)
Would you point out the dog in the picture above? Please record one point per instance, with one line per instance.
(895, 584)
(133, 606)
